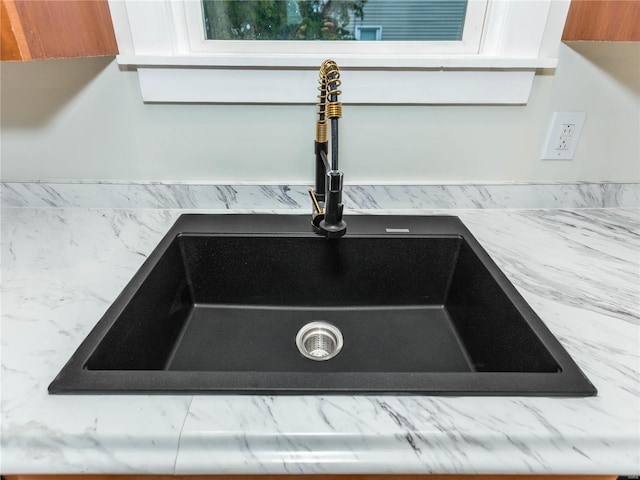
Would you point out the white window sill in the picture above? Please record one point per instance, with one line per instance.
(291, 79)
(306, 61)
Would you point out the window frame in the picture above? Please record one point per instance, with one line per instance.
(518, 38)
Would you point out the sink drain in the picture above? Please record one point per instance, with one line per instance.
(319, 341)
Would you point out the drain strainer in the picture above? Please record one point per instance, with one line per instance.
(319, 341)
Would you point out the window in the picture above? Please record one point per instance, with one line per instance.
(501, 46)
(426, 20)
(281, 19)
(421, 27)
(402, 20)
(368, 32)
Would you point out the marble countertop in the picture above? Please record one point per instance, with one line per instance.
(579, 268)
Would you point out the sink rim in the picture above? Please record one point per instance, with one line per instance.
(76, 378)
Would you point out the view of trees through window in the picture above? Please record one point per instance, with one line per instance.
(334, 19)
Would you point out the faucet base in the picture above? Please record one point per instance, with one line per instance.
(333, 230)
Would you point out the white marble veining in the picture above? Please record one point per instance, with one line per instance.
(60, 271)
(264, 197)
(62, 267)
(581, 252)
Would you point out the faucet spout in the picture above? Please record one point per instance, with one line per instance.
(329, 179)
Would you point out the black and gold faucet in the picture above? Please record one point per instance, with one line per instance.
(327, 195)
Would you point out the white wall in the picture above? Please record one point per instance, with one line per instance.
(83, 120)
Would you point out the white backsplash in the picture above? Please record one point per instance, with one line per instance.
(260, 197)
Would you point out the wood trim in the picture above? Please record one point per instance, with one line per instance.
(13, 43)
(39, 29)
(67, 28)
(603, 20)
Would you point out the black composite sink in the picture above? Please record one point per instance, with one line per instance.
(421, 308)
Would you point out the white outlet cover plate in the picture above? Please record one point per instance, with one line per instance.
(554, 135)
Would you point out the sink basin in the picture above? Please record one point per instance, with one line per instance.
(259, 304)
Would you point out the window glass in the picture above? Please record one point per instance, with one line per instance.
(363, 20)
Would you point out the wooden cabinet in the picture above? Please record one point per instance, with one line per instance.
(39, 29)
(603, 20)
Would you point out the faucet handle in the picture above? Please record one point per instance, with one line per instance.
(318, 212)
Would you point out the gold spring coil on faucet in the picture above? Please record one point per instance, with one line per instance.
(321, 124)
(331, 74)
(329, 81)
(321, 131)
(334, 110)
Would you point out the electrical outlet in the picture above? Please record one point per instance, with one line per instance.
(568, 129)
(563, 144)
(563, 135)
